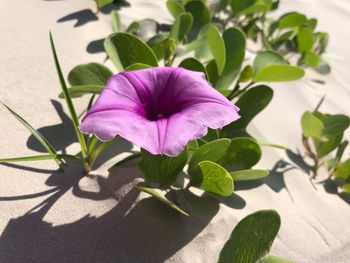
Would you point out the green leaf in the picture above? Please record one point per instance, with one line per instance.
(213, 74)
(274, 259)
(346, 188)
(243, 153)
(327, 144)
(200, 13)
(162, 169)
(175, 8)
(247, 175)
(102, 3)
(193, 64)
(137, 66)
(217, 47)
(133, 27)
(125, 49)
(311, 23)
(246, 74)
(41, 139)
(311, 59)
(265, 59)
(279, 73)
(69, 101)
(89, 74)
(211, 177)
(311, 125)
(260, 6)
(115, 22)
(250, 104)
(335, 124)
(235, 44)
(157, 44)
(214, 151)
(237, 6)
(252, 238)
(39, 158)
(292, 19)
(157, 194)
(343, 170)
(181, 27)
(341, 149)
(305, 39)
(78, 91)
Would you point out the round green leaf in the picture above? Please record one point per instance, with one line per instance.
(162, 169)
(89, 74)
(181, 27)
(125, 49)
(311, 125)
(217, 47)
(211, 177)
(252, 238)
(247, 175)
(235, 51)
(292, 19)
(212, 151)
(305, 39)
(243, 153)
(175, 8)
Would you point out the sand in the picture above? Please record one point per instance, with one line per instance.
(50, 216)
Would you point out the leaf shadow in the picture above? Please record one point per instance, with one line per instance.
(132, 231)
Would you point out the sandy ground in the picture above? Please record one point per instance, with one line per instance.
(50, 216)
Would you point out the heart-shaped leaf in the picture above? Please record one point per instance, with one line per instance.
(212, 177)
(252, 238)
(235, 51)
(89, 74)
(243, 153)
(159, 195)
(125, 49)
(214, 151)
(162, 169)
(311, 125)
(217, 47)
(181, 27)
(247, 175)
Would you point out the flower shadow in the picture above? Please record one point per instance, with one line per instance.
(134, 230)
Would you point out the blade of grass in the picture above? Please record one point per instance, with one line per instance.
(39, 158)
(68, 99)
(49, 148)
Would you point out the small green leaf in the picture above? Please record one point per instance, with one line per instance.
(200, 14)
(252, 238)
(78, 91)
(243, 153)
(102, 3)
(41, 139)
(235, 44)
(213, 151)
(265, 59)
(250, 104)
(341, 149)
(327, 144)
(157, 44)
(311, 125)
(335, 124)
(194, 65)
(305, 39)
(343, 170)
(311, 59)
(247, 175)
(157, 194)
(217, 47)
(181, 27)
(125, 49)
(246, 74)
(213, 74)
(137, 66)
(311, 23)
(162, 169)
(279, 73)
(274, 259)
(211, 177)
(175, 8)
(68, 99)
(89, 74)
(237, 6)
(133, 27)
(292, 19)
(115, 22)
(260, 6)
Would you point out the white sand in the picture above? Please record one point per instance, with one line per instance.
(102, 219)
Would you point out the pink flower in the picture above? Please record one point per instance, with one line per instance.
(159, 109)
